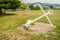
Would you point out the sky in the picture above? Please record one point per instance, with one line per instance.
(42, 1)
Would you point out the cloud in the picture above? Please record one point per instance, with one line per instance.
(43, 1)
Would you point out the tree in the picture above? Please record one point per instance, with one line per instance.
(31, 6)
(37, 7)
(9, 4)
(34, 7)
(51, 7)
(23, 6)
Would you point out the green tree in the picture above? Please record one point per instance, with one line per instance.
(23, 6)
(37, 7)
(34, 7)
(9, 4)
(51, 7)
(31, 6)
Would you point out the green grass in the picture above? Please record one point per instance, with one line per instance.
(11, 23)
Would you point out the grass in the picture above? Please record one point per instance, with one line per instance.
(7, 22)
(11, 22)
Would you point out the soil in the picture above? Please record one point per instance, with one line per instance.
(37, 28)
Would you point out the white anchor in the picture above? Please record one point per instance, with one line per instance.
(28, 24)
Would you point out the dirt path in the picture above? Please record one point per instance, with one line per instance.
(38, 28)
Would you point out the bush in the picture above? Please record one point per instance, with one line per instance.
(23, 6)
(37, 7)
(34, 7)
(31, 6)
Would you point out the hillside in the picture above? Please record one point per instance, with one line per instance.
(44, 4)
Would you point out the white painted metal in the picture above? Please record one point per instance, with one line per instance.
(27, 25)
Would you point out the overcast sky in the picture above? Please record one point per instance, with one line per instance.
(42, 1)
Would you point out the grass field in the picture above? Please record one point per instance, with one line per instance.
(11, 22)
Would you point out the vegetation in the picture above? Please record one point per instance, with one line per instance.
(31, 6)
(12, 22)
(56, 8)
(8, 4)
(23, 6)
(37, 7)
(34, 7)
(51, 7)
